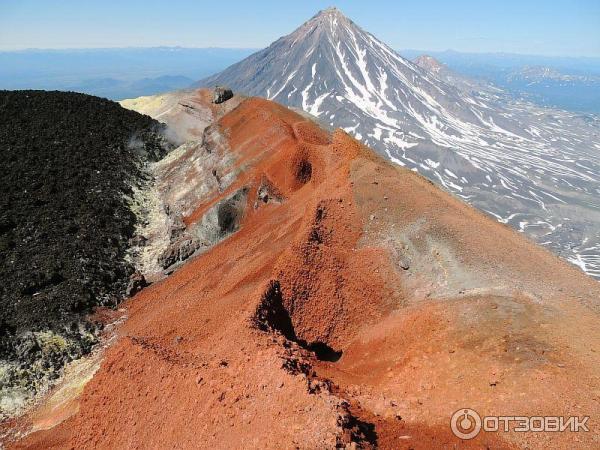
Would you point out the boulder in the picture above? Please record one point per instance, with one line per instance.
(222, 94)
(137, 282)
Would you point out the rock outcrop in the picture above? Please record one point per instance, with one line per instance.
(222, 94)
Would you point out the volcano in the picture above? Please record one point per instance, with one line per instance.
(532, 168)
(301, 290)
(310, 294)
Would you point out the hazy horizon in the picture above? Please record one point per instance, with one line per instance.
(179, 47)
(559, 28)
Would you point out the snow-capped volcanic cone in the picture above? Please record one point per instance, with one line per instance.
(529, 167)
(335, 70)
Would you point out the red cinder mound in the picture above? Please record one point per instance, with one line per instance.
(357, 305)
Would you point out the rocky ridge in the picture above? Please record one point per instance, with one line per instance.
(354, 305)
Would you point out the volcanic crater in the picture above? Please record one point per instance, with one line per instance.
(360, 308)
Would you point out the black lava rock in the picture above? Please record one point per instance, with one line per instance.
(137, 282)
(222, 94)
(67, 163)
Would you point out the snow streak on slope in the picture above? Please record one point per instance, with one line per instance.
(535, 169)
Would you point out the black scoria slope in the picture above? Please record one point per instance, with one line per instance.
(68, 163)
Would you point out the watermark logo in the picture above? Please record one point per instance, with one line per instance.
(466, 423)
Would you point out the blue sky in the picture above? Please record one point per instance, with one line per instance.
(550, 27)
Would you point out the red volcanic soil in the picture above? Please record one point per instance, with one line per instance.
(358, 306)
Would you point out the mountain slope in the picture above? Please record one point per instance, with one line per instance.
(465, 84)
(355, 305)
(534, 169)
(69, 164)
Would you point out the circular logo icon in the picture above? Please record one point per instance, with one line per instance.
(465, 423)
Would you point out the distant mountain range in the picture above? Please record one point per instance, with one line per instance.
(540, 74)
(114, 88)
(535, 169)
(565, 83)
(550, 87)
(115, 73)
(119, 73)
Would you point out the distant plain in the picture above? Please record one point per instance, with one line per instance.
(119, 73)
